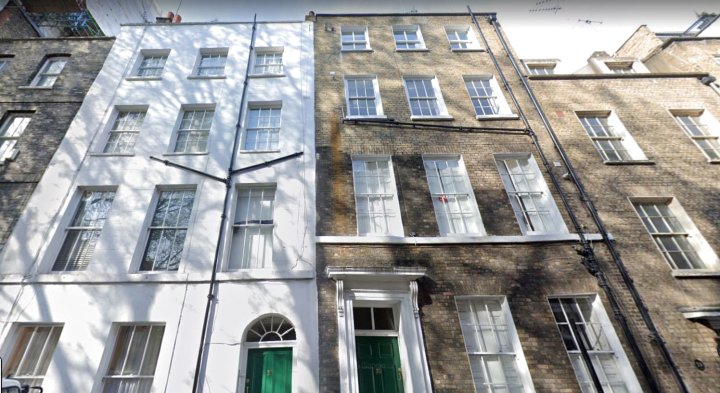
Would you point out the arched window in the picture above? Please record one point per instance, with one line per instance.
(271, 328)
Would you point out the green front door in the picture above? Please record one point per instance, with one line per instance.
(269, 371)
(378, 363)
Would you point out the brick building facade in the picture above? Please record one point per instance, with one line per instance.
(403, 103)
(669, 112)
(48, 108)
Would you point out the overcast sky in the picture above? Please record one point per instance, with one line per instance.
(569, 30)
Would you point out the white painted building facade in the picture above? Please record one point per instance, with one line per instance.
(112, 260)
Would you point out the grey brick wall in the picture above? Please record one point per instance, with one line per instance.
(52, 110)
(680, 170)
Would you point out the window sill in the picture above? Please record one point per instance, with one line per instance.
(35, 87)
(412, 50)
(442, 117)
(186, 154)
(497, 117)
(713, 161)
(266, 75)
(207, 77)
(258, 151)
(457, 239)
(366, 117)
(84, 276)
(695, 273)
(112, 154)
(356, 50)
(630, 162)
(265, 274)
(143, 78)
(467, 50)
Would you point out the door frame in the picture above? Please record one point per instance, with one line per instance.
(393, 287)
(243, 363)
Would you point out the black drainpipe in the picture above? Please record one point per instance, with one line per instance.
(223, 219)
(588, 253)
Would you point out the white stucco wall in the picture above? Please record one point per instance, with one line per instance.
(111, 290)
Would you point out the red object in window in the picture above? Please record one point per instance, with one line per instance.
(443, 199)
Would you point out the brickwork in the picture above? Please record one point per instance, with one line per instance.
(679, 170)
(51, 110)
(527, 273)
(14, 25)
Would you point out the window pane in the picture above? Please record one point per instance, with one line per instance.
(375, 200)
(84, 230)
(32, 353)
(134, 358)
(487, 340)
(167, 230)
(384, 319)
(363, 318)
(253, 229)
(590, 324)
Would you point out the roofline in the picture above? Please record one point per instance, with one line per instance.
(673, 39)
(412, 14)
(631, 36)
(212, 23)
(693, 75)
(104, 38)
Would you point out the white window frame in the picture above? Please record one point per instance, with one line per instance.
(420, 42)
(513, 338)
(468, 193)
(502, 108)
(621, 67)
(471, 44)
(399, 290)
(533, 67)
(134, 133)
(270, 131)
(717, 59)
(206, 131)
(148, 228)
(695, 239)
(46, 355)
(540, 187)
(44, 73)
(394, 224)
(267, 262)
(220, 53)
(356, 30)
(10, 133)
(615, 131)
(605, 326)
(164, 54)
(705, 121)
(376, 91)
(268, 50)
(116, 333)
(439, 101)
(68, 228)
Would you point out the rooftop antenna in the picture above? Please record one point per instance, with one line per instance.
(413, 10)
(178, 8)
(546, 6)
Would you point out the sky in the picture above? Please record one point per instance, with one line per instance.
(569, 30)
